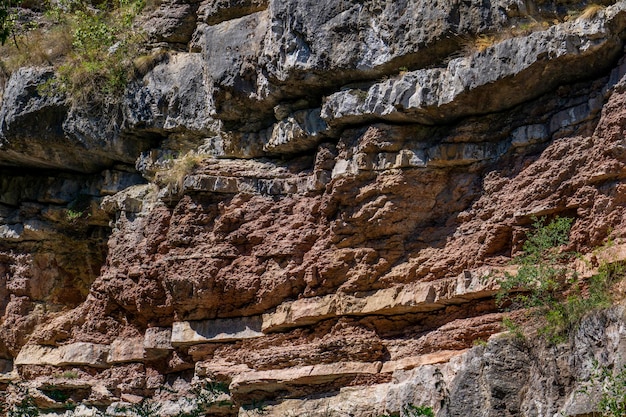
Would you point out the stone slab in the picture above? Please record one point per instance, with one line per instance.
(125, 350)
(418, 298)
(157, 342)
(276, 379)
(218, 330)
(80, 353)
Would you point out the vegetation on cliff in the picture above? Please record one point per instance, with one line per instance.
(358, 173)
(92, 46)
(548, 285)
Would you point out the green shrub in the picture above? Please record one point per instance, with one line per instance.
(613, 398)
(146, 408)
(411, 410)
(98, 63)
(546, 284)
(541, 271)
(7, 19)
(612, 389)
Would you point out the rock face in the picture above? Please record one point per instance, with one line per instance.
(308, 205)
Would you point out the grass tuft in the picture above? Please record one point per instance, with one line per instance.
(591, 11)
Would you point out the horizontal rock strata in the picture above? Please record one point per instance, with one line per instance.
(305, 208)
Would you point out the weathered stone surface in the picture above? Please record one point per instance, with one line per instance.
(370, 250)
(217, 11)
(41, 131)
(219, 330)
(299, 132)
(133, 199)
(397, 300)
(81, 353)
(126, 350)
(501, 374)
(173, 97)
(519, 69)
(232, 67)
(274, 380)
(173, 21)
(158, 341)
(353, 40)
(427, 359)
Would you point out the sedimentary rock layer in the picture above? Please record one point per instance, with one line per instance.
(308, 205)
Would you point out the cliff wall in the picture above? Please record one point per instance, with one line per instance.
(304, 208)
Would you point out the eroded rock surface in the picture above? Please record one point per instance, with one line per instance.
(308, 205)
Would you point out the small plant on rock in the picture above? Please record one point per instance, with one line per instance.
(612, 389)
(412, 410)
(547, 285)
(591, 11)
(26, 406)
(69, 375)
(146, 408)
(175, 170)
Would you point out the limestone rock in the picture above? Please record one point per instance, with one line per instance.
(294, 61)
(396, 300)
(270, 381)
(173, 21)
(216, 11)
(299, 132)
(361, 176)
(219, 330)
(173, 97)
(126, 350)
(157, 342)
(230, 65)
(81, 353)
(440, 94)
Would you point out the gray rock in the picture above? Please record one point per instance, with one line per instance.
(501, 76)
(22, 104)
(172, 98)
(173, 21)
(216, 11)
(42, 131)
(283, 53)
(299, 132)
(231, 50)
(450, 154)
(218, 330)
(368, 36)
(528, 135)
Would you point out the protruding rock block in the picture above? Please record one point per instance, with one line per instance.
(80, 353)
(157, 342)
(126, 350)
(217, 11)
(218, 330)
(520, 69)
(415, 361)
(276, 380)
(417, 298)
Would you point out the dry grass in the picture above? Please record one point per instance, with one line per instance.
(145, 63)
(482, 42)
(92, 51)
(36, 47)
(591, 11)
(174, 172)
